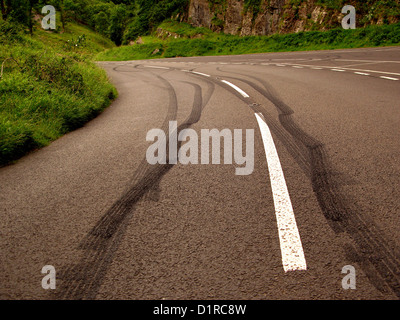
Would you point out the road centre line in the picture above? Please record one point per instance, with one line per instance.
(244, 94)
(362, 73)
(289, 237)
(357, 64)
(389, 78)
(367, 61)
(156, 67)
(350, 69)
(201, 74)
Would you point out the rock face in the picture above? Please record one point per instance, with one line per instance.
(272, 16)
(200, 13)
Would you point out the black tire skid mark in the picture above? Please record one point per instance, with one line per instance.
(83, 280)
(299, 153)
(377, 256)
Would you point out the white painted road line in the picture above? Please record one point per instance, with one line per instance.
(298, 67)
(244, 94)
(348, 69)
(338, 70)
(389, 78)
(362, 73)
(290, 243)
(156, 67)
(368, 61)
(201, 74)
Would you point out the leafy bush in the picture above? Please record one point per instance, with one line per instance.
(16, 137)
(46, 92)
(10, 32)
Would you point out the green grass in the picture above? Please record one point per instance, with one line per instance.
(184, 30)
(49, 86)
(197, 42)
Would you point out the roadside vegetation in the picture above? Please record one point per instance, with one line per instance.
(174, 39)
(49, 85)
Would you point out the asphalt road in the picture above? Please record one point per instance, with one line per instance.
(116, 227)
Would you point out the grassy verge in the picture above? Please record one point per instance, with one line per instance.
(49, 86)
(181, 40)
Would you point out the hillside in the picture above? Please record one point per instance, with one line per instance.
(179, 39)
(266, 17)
(49, 85)
(123, 21)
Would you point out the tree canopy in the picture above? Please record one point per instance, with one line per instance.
(120, 20)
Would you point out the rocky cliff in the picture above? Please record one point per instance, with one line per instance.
(265, 17)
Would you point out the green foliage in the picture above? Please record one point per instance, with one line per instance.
(253, 5)
(79, 42)
(117, 22)
(332, 4)
(10, 32)
(150, 14)
(189, 48)
(367, 10)
(183, 29)
(46, 91)
(221, 44)
(125, 20)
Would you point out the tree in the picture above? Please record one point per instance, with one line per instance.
(101, 22)
(3, 10)
(117, 22)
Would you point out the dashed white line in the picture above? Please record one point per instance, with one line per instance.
(244, 94)
(290, 242)
(362, 73)
(368, 61)
(297, 67)
(201, 74)
(156, 67)
(389, 78)
(338, 70)
(348, 69)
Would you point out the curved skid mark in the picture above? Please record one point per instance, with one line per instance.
(379, 260)
(82, 281)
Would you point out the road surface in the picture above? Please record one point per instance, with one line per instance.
(323, 196)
